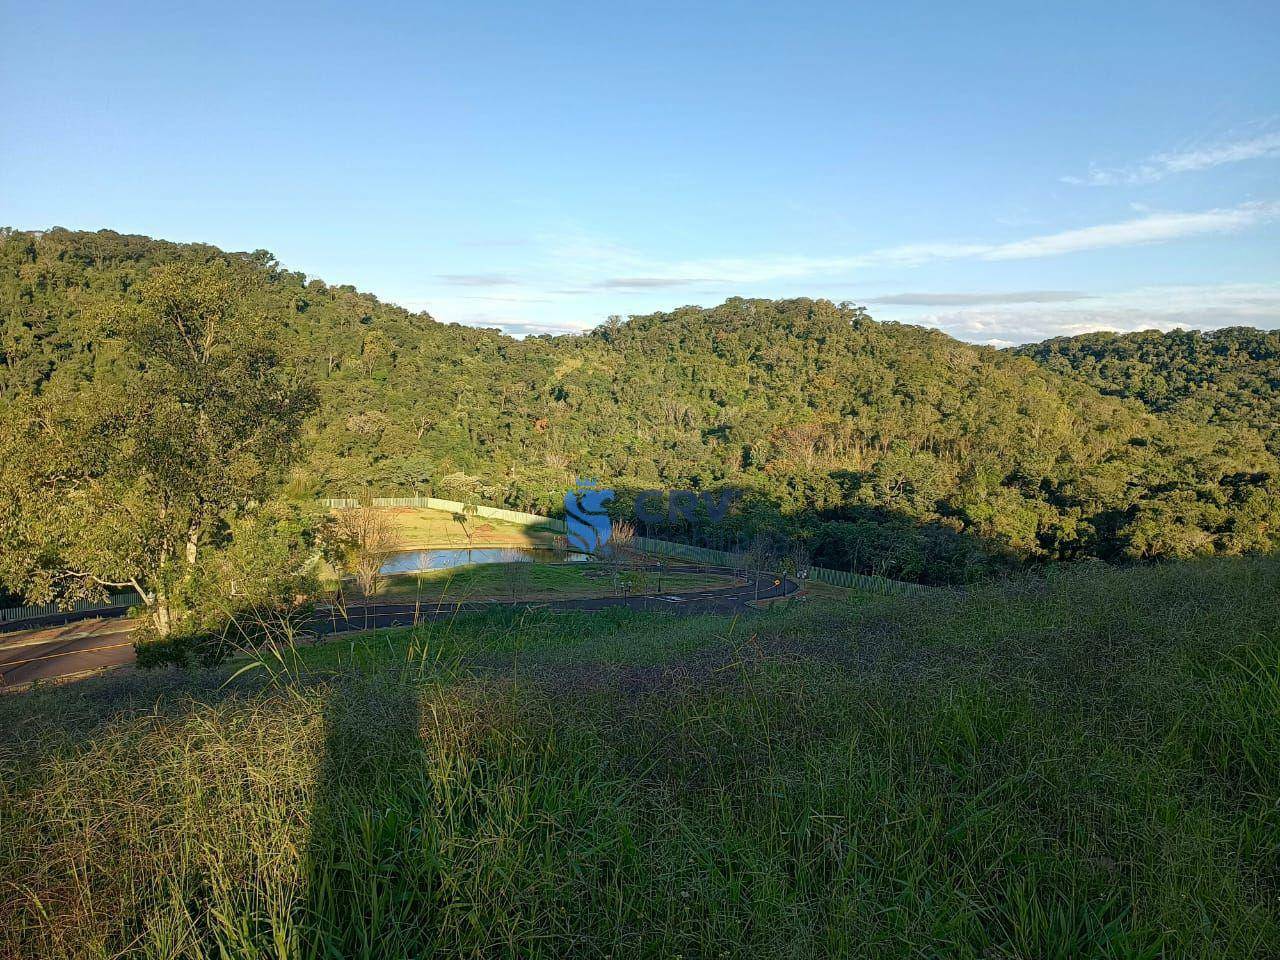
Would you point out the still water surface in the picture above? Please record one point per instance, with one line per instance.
(414, 561)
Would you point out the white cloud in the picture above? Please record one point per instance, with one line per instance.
(1259, 147)
(647, 283)
(969, 299)
(1151, 228)
(1154, 228)
(517, 328)
(580, 280)
(476, 279)
(1202, 307)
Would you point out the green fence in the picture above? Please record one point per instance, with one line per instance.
(738, 561)
(865, 582)
(35, 611)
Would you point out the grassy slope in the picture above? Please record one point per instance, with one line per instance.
(420, 528)
(535, 581)
(1083, 767)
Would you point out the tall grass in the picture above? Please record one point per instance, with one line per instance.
(1084, 766)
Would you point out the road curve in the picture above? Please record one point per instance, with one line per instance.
(87, 642)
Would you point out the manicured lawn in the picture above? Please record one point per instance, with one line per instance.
(420, 528)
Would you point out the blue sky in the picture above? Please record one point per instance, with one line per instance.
(1005, 172)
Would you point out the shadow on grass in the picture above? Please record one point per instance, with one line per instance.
(371, 781)
(1081, 766)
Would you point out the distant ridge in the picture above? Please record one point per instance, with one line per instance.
(887, 449)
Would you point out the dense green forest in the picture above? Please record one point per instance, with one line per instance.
(884, 447)
(1220, 376)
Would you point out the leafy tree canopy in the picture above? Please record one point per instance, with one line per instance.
(886, 448)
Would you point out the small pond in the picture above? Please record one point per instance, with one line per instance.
(414, 561)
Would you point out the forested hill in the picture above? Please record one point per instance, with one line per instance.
(885, 448)
(1218, 376)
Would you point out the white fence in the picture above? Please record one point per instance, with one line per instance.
(451, 506)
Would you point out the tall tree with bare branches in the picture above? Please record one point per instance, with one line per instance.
(368, 537)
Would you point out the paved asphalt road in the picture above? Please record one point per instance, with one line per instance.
(83, 644)
(63, 650)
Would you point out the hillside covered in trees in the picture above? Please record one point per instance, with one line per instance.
(1218, 376)
(886, 448)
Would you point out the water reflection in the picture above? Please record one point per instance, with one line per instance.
(414, 561)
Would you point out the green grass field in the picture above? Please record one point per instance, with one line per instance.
(1087, 766)
(537, 581)
(421, 528)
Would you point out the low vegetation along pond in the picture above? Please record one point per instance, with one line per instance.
(445, 558)
(525, 572)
